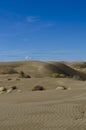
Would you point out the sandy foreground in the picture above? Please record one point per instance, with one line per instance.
(51, 109)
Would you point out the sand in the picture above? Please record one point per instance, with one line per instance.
(51, 109)
(44, 110)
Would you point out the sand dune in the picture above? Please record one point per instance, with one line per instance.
(51, 109)
(40, 69)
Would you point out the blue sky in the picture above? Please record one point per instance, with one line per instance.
(43, 30)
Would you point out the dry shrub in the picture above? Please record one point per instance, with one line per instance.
(77, 77)
(23, 75)
(38, 88)
(57, 75)
(9, 79)
(62, 75)
(3, 89)
(11, 89)
(61, 88)
(18, 79)
(14, 87)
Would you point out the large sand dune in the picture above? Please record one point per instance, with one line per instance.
(40, 69)
(51, 109)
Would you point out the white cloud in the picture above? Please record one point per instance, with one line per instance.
(32, 19)
(28, 58)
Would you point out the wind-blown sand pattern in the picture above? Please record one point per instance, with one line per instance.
(51, 109)
(24, 112)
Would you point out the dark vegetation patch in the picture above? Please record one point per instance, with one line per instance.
(38, 88)
(14, 87)
(24, 75)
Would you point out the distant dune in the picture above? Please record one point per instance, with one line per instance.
(43, 69)
(78, 65)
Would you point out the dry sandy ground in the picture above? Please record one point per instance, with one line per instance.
(51, 109)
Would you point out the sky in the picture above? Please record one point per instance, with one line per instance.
(43, 30)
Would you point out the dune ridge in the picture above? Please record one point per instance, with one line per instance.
(40, 69)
